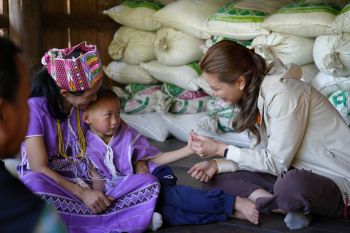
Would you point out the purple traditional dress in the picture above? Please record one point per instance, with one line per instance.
(115, 160)
(135, 195)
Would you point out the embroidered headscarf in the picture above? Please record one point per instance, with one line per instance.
(74, 69)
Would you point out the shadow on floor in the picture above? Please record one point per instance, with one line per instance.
(269, 223)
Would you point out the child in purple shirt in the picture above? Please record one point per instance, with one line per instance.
(118, 151)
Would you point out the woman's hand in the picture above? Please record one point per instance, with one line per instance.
(206, 147)
(204, 171)
(141, 167)
(95, 200)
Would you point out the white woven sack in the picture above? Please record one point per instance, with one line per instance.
(132, 46)
(182, 76)
(176, 48)
(288, 48)
(124, 73)
(189, 16)
(135, 14)
(332, 54)
(303, 18)
(242, 19)
(203, 84)
(327, 84)
(342, 21)
(309, 72)
(149, 125)
(181, 125)
(341, 101)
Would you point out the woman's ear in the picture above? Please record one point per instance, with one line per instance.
(241, 82)
(64, 93)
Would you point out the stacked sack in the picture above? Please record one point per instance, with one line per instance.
(291, 31)
(132, 44)
(191, 17)
(327, 24)
(158, 66)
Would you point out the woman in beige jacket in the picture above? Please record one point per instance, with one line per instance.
(302, 152)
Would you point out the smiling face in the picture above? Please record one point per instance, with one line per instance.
(231, 93)
(103, 117)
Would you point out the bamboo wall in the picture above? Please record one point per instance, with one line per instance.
(61, 23)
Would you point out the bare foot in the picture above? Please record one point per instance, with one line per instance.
(245, 210)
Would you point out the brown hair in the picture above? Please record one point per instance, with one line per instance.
(104, 93)
(230, 60)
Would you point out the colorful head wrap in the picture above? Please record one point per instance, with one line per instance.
(74, 69)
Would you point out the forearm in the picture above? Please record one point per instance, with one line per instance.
(75, 189)
(172, 156)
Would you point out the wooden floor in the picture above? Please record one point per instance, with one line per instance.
(269, 223)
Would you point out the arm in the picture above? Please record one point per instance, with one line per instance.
(172, 156)
(37, 157)
(288, 118)
(98, 182)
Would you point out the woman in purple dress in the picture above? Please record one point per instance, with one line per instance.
(54, 165)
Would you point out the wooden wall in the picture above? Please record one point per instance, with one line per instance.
(62, 23)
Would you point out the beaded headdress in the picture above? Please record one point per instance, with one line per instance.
(74, 69)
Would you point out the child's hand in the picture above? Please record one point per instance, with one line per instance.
(141, 167)
(190, 140)
(204, 171)
(206, 147)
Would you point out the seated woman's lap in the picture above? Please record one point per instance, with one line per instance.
(302, 190)
(241, 183)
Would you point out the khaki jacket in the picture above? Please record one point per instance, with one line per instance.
(299, 128)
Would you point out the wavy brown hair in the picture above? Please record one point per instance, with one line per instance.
(230, 60)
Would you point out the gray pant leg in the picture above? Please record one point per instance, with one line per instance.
(302, 190)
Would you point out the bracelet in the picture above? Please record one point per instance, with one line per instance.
(225, 152)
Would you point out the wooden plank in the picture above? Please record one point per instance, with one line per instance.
(25, 30)
(81, 7)
(54, 37)
(4, 21)
(4, 9)
(101, 22)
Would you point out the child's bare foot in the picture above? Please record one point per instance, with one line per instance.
(245, 210)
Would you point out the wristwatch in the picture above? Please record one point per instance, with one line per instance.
(225, 152)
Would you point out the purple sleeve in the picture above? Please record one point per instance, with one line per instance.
(35, 127)
(141, 148)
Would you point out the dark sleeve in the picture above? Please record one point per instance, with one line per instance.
(20, 208)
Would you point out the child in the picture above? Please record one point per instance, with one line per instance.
(117, 150)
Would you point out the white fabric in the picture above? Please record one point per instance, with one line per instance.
(301, 23)
(327, 84)
(132, 46)
(149, 125)
(124, 73)
(342, 21)
(228, 21)
(189, 16)
(332, 54)
(135, 17)
(287, 48)
(182, 76)
(180, 126)
(203, 84)
(309, 72)
(176, 48)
